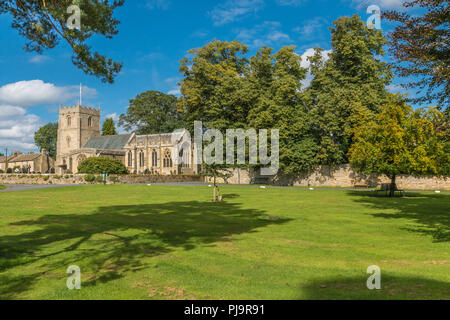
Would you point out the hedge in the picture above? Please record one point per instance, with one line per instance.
(102, 165)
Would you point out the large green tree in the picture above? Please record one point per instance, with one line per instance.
(212, 86)
(44, 24)
(275, 81)
(109, 128)
(46, 138)
(420, 44)
(152, 112)
(352, 81)
(399, 140)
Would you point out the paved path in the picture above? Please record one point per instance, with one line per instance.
(201, 184)
(23, 187)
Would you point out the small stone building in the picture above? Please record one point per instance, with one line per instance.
(29, 163)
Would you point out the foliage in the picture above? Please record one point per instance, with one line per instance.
(99, 179)
(213, 86)
(113, 179)
(152, 112)
(399, 140)
(89, 178)
(274, 82)
(420, 44)
(102, 165)
(347, 87)
(109, 128)
(46, 138)
(44, 24)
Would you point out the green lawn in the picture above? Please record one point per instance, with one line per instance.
(2, 187)
(159, 242)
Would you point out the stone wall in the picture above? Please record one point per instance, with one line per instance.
(340, 176)
(80, 179)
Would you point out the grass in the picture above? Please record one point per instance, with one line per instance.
(2, 187)
(161, 242)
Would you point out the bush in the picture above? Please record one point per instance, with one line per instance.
(1, 171)
(102, 165)
(9, 170)
(89, 178)
(113, 179)
(46, 178)
(99, 179)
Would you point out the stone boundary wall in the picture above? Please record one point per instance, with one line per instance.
(80, 179)
(339, 176)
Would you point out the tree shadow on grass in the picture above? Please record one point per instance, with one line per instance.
(114, 240)
(392, 287)
(430, 211)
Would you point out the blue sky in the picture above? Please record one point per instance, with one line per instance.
(154, 35)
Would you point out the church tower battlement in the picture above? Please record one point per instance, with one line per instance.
(76, 125)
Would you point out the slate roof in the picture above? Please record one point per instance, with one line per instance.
(108, 142)
(21, 157)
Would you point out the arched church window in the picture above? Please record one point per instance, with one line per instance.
(89, 122)
(154, 158)
(168, 163)
(130, 159)
(68, 142)
(142, 159)
(69, 121)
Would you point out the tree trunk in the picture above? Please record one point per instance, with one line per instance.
(392, 187)
(214, 192)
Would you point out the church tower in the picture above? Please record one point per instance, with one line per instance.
(76, 125)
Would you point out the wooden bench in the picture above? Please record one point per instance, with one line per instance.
(259, 180)
(361, 186)
(386, 187)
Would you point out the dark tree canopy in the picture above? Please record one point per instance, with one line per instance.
(44, 24)
(348, 86)
(46, 138)
(152, 112)
(109, 128)
(421, 46)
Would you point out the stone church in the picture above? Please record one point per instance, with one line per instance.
(79, 137)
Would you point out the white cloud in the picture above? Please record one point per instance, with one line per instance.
(312, 28)
(383, 4)
(294, 3)
(175, 92)
(268, 33)
(158, 4)
(233, 10)
(305, 63)
(113, 116)
(36, 92)
(39, 59)
(17, 128)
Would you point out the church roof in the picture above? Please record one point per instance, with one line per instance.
(108, 142)
(20, 157)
